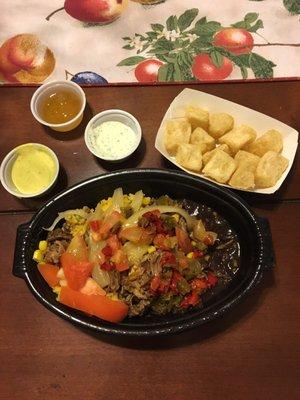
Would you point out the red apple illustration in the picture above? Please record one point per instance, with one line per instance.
(205, 70)
(235, 40)
(93, 11)
(147, 71)
(23, 58)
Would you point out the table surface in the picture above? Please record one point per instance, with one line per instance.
(251, 353)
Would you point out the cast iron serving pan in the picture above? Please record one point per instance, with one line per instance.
(253, 235)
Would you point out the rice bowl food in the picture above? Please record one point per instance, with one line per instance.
(135, 255)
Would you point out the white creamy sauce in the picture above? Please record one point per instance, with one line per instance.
(113, 139)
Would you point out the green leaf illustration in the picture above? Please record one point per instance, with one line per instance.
(258, 25)
(293, 6)
(216, 58)
(166, 73)
(157, 27)
(261, 67)
(131, 61)
(185, 60)
(244, 72)
(163, 43)
(172, 23)
(177, 72)
(240, 24)
(207, 28)
(178, 55)
(251, 17)
(185, 20)
(202, 42)
(242, 60)
(151, 35)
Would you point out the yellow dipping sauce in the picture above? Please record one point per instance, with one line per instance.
(33, 170)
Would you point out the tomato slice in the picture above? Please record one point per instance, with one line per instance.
(107, 251)
(95, 225)
(198, 254)
(208, 240)
(152, 215)
(176, 277)
(154, 285)
(212, 279)
(136, 234)
(76, 272)
(78, 248)
(109, 222)
(107, 266)
(190, 300)
(49, 273)
(184, 241)
(114, 243)
(168, 258)
(101, 228)
(120, 260)
(162, 241)
(98, 305)
(199, 284)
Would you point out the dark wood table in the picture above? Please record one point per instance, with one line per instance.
(251, 353)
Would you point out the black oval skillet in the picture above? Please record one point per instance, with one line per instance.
(253, 234)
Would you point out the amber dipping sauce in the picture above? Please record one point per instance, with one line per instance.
(59, 106)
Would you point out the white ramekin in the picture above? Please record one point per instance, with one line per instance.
(113, 115)
(6, 168)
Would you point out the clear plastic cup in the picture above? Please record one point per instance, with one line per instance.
(45, 90)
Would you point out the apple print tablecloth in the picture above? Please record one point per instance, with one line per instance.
(100, 41)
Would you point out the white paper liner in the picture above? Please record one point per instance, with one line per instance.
(242, 115)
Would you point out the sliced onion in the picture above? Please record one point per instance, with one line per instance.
(137, 201)
(134, 252)
(101, 276)
(117, 199)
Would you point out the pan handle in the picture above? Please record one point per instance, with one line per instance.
(19, 265)
(269, 260)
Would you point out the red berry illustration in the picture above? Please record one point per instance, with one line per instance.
(93, 11)
(147, 71)
(235, 40)
(24, 58)
(205, 70)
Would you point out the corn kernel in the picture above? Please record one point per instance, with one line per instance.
(176, 217)
(43, 245)
(151, 249)
(146, 201)
(190, 255)
(106, 204)
(126, 201)
(112, 296)
(194, 243)
(57, 289)
(38, 256)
